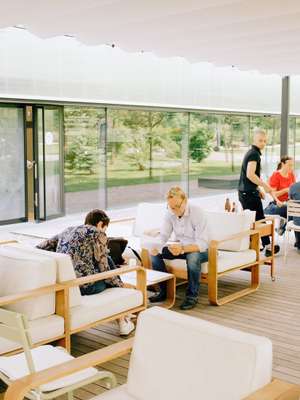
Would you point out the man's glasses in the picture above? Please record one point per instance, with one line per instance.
(177, 207)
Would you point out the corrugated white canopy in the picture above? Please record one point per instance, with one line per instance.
(249, 34)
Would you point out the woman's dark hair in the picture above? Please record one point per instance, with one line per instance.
(96, 216)
(283, 160)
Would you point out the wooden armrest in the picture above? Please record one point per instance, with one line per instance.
(125, 219)
(18, 389)
(8, 241)
(272, 391)
(101, 276)
(215, 243)
(13, 298)
(264, 220)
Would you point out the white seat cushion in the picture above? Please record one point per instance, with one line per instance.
(176, 357)
(102, 305)
(21, 271)
(119, 393)
(15, 367)
(226, 260)
(40, 329)
(64, 268)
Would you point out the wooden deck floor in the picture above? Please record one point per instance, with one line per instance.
(273, 311)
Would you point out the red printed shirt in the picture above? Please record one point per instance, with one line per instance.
(279, 182)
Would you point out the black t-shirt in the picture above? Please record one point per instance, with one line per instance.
(254, 154)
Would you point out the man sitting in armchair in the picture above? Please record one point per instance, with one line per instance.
(188, 224)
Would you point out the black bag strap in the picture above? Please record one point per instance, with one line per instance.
(135, 253)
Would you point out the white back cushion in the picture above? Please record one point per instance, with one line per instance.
(222, 224)
(148, 216)
(176, 356)
(21, 271)
(64, 268)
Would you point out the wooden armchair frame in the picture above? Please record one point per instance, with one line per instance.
(211, 278)
(60, 301)
(64, 305)
(22, 386)
(266, 227)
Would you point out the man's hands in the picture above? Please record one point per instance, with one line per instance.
(175, 249)
(154, 252)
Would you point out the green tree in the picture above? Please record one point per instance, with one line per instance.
(81, 155)
(201, 144)
(145, 138)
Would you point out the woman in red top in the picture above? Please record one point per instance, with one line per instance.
(280, 181)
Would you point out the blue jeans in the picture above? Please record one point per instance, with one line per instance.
(99, 286)
(273, 209)
(193, 260)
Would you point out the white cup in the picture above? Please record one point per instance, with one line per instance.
(132, 262)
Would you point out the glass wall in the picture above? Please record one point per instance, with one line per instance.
(85, 167)
(272, 151)
(116, 158)
(294, 143)
(12, 164)
(146, 153)
(216, 148)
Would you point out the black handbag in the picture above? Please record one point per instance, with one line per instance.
(116, 247)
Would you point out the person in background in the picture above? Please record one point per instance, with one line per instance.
(87, 246)
(294, 194)
(250, 182)
(281, 181)
(188, 223)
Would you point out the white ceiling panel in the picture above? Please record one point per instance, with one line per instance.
(262, 35)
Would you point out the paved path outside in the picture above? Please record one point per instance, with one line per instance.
(127, 196)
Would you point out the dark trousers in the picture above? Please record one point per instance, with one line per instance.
(193, 261)
(297, 236)
(252, 201)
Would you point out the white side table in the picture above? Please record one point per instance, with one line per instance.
(153, 278)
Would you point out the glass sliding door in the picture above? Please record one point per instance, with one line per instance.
(49, 161)
(12, 165)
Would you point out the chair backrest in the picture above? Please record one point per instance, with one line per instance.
(148, 216)
(221, 224)
(293, 208)
(64, 268)
(14, 326)
(21, 271)
(176, 356)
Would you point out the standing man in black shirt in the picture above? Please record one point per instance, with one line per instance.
(249, 193)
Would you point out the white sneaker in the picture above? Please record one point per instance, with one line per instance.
(126, 326)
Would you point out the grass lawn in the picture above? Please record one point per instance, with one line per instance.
(124, 175)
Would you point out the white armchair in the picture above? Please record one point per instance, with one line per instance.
(23, 267)
(175, 356)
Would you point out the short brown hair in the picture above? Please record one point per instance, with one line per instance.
(96, 216)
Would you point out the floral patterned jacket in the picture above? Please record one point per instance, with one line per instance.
(88, 250)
